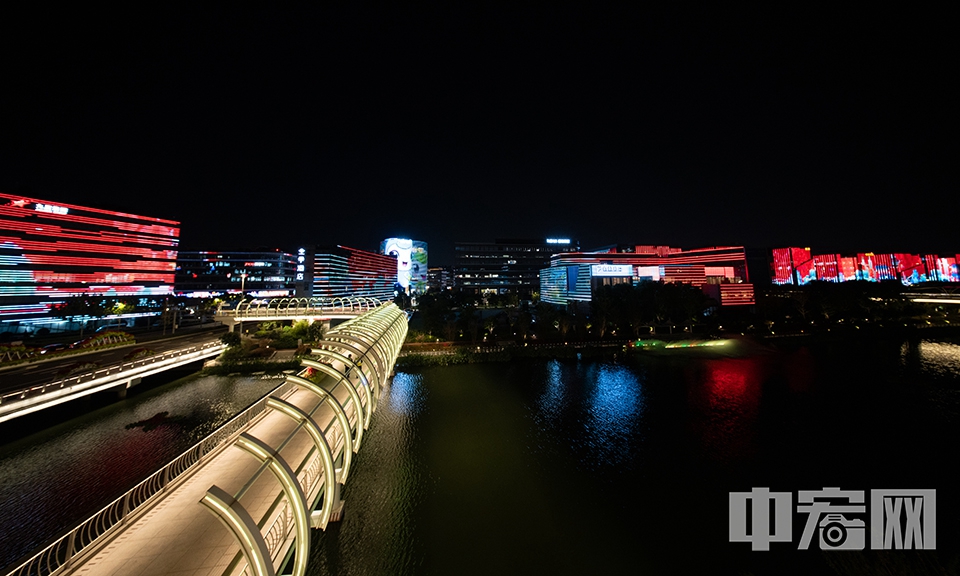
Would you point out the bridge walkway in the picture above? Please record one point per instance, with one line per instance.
(178, 535)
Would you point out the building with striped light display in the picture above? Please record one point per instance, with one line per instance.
(342, 272)
(51, 251)
(797, 266)
(721, 272)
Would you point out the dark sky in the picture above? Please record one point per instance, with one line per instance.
(277, 127)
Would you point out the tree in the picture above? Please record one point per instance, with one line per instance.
(79, 308)
(230, 339)
(468, 321)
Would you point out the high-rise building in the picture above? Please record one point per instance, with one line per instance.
(258, 274)
(506, 265)
(343, 272)
(50, 251)
(411, 258)
(440, 278)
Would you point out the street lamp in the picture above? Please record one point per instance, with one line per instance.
(243, 282)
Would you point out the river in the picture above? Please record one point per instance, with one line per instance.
(575, 467)
(567, 466)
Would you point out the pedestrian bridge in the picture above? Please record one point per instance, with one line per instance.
(293, 309)
(244, 500)
(300, 308)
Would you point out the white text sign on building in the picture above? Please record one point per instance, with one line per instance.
(611, 270)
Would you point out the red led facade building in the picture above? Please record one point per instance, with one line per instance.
(792, 265)
(796, 266)
(51, 251)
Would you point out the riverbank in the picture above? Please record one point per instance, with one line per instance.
(452, 356)
(427, 355)
(281, 361)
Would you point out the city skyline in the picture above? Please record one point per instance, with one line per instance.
(283, 127)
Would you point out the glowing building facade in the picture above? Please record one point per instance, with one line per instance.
(50, 251)
(721, 272)
(797, 266)
(411, 258)
(341, 272)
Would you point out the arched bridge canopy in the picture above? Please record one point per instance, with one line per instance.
(287, 307)
(358, 356)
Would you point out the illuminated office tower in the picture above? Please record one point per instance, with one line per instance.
(506, 265)
(50, 251)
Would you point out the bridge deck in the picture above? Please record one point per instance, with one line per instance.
(179, 536)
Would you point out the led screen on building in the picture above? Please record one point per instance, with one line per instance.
(792, 266)
(411, 262)
(342, 272)
(50, 251)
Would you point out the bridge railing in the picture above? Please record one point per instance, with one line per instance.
(63, 551)
(66, 382)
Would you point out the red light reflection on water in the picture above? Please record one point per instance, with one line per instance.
(726, 398)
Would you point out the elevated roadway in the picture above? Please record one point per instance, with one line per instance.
(38, 386)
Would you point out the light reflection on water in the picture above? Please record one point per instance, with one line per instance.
(939, 358)
(614, 405)
(501, 457)
(728, 400)
(406, 395)
(596, 406)
(53, 479)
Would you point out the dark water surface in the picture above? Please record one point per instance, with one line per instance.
(567, 467)
(562, 467)
(55, 478)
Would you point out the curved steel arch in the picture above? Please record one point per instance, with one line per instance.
(385, 321)
(354, 395)
(368, 409)
(235, 517)
(276, 309)
(347, 342)
(376, 345)
(326, 455)
(341, 415)
(291, 487)
(389, 334)
(242, 308)
(378, 372)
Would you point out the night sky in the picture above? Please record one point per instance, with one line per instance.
(278, 127)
